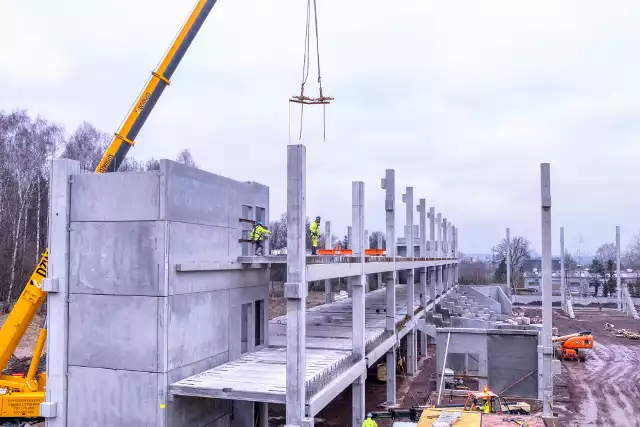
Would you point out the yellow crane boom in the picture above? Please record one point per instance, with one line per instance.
(12, 403)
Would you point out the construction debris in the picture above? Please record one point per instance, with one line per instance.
(626, 333)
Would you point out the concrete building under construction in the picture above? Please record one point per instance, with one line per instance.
(159, 315)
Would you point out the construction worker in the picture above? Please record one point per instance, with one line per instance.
(368, 422)
(485, 407)
(314, 228)
(257, 236)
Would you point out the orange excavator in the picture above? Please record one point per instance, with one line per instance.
(571, 347)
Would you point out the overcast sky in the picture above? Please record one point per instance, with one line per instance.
(464, 99)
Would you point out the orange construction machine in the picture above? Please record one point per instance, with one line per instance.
(568, 347)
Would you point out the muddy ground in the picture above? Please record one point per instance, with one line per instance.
(605, 389)
(278, 304)
(411, 391)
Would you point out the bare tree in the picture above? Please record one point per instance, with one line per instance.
(520, 251)
(26, 147)
(185, 158)
(26, 144)
(373, 240)
(570, 265)
(278, 237)
(606, 253)
(632, 253)
(86, 145)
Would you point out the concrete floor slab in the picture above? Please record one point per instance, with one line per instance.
(260, 376)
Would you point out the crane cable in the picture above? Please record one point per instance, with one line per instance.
(324, 121)
(305, 62)
(302, 99)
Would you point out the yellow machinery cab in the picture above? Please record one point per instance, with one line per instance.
(476, 401)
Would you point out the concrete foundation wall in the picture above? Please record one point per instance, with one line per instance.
(496, 293)
(481, 298)
(137, 324)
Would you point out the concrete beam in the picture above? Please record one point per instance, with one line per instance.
(296, 286)
(317, 272)
(334, 388)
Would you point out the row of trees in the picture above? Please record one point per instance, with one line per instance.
(27, 146)
(599, 273)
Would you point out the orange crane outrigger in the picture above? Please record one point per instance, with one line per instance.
(21, 396)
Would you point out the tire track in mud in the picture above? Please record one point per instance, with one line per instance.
(609, 382)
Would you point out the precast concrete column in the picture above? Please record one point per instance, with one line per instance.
(56, 397)
(618, 279)
(439, 279)
(412, 354)
(444, 238)
(358, 314)
(349, 246)
(508, 261)
(432, 254)
(432, 231)
(295, 289)
(422, 210)
(389, 185)
(445, 267)
(455, 255)
(439, 231)
(546, 348)
(367, 286)
(380, 244)
(563, 285)
(328, 297)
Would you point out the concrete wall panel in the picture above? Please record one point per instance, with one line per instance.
(197, 327)
(205, 281)
(195, 196)
(122, 197)
(249, 194)
(112, 398)
(195, 243)
(116, 258)
(197, 412)
(117, 332)
(512, 357)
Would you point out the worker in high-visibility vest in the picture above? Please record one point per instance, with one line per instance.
(485, 407)
(257, 237)
(368, 422)
(314, 229)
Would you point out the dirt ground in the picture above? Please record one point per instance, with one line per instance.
(605, 389)
(411, 391)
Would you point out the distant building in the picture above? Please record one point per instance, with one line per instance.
(536, 263)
